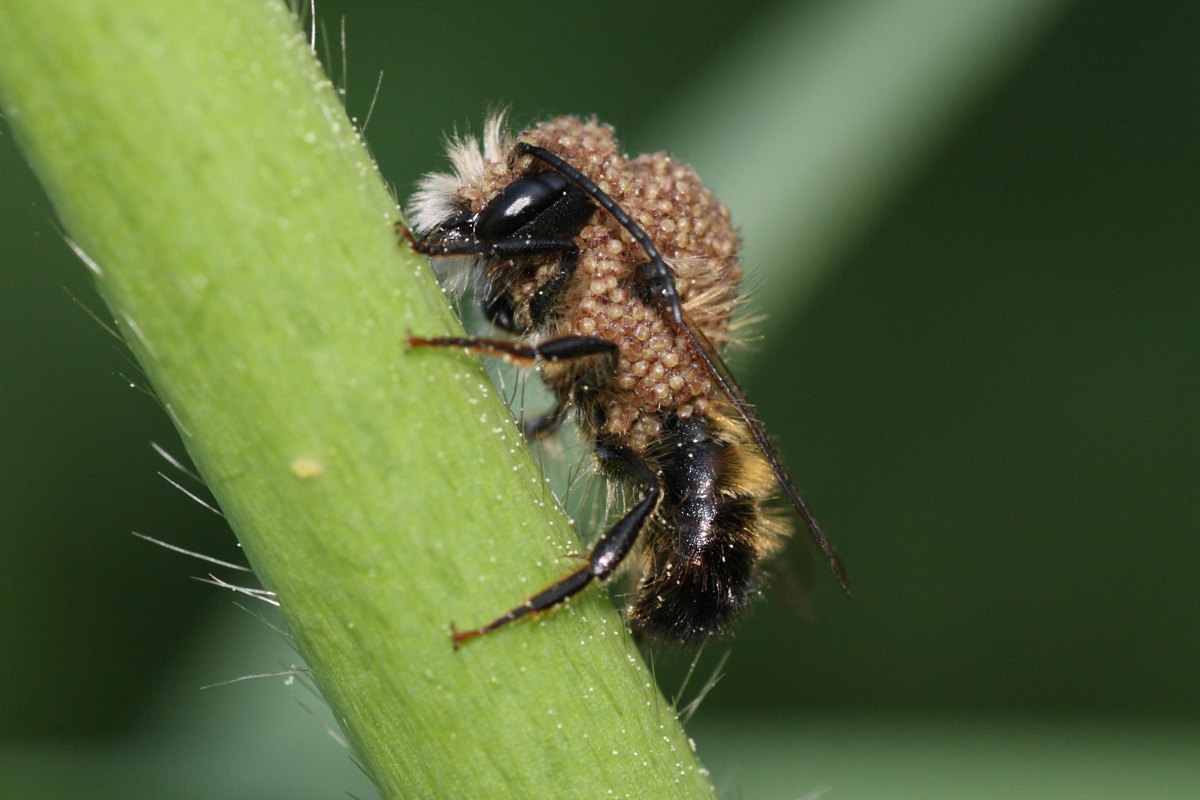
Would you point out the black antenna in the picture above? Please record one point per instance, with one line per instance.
(658, 264)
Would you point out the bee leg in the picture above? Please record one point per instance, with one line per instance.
(607, 554)
(562, 349)
(546, 295)
(432, 245)
(500, 310)
(546, 424)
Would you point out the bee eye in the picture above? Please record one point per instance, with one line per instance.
(523, 201)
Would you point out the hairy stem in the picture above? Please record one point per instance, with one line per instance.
(243, 241)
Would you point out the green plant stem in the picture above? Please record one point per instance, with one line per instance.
(243, 242)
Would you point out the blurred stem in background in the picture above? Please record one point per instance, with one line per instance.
(847, 100)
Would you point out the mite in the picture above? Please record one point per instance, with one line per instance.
(616, 278)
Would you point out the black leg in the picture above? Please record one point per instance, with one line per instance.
(502, 248)
(546, 295)
(561, 349)
(546, 424)
(543, 298)
(498, 307)
(606, 555)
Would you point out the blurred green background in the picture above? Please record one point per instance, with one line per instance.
(975, 229)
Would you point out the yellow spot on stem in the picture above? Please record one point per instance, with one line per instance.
(306, 467)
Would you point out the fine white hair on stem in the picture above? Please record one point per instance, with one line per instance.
(283, 673)
(192, 553)
(718, 672)
(265, 595)
(105, 326)
(82, 255)
(374, 100)
(175, 462)
(329, 729)
(192, 495)
(276, 628)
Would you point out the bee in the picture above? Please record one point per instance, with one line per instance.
(616, 278)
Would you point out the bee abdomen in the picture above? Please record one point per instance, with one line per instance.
(701, 557)
(688, 596)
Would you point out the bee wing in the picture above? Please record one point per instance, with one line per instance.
(715, 366)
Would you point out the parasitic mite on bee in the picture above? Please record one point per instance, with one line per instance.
(616, 278)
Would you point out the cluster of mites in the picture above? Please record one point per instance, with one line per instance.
(693, 232)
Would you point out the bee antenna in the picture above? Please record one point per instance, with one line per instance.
(658, 265)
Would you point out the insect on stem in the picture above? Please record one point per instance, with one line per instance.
(624, 353)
